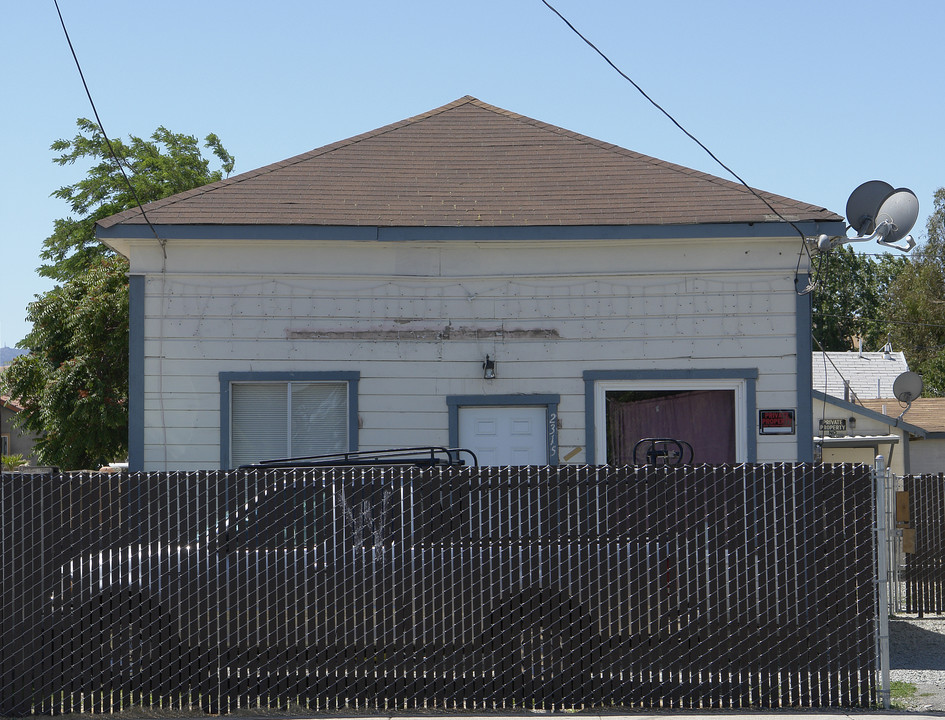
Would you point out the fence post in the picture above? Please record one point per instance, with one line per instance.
(882, 579)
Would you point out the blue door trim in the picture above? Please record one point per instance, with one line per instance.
(454, 402)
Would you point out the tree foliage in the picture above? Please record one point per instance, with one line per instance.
(849, 300)
(916, 303)
(73, 383)
(165, 164)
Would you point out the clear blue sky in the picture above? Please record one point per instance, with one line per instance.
(806, 99)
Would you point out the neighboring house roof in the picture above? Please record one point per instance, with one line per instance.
(9, 403)
(889, 416)
(926, 413)
(869, 374)
(469, 164)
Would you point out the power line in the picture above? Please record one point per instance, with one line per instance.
(161, 241)
(698, 142)
(101, 127)
(883, 321)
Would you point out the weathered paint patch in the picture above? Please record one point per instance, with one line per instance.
(425, 334)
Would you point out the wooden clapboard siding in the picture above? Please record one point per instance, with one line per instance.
(417, 319)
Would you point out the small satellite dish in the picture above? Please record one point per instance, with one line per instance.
(864, 203)
(901, 209)
(907, 387)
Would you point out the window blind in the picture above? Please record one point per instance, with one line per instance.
(277, 420)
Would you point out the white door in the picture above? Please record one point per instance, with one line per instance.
(505, 435)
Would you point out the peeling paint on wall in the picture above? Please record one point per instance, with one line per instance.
(426, 334)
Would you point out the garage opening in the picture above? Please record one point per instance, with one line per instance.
(703, 418)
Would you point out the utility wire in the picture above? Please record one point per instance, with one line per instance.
(884, 321)
(161, 241)
(108, 142)
(826, 360)
(695, 140)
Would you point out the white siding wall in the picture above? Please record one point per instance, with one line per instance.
(927, 456)
(417, 320)
(865, 426)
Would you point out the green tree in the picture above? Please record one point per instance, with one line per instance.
(73, 383)
(11, 462)
(916, 305)
(850, 299)
(165, 164)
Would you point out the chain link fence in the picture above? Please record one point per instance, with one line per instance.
(916, 518)
(473, 588)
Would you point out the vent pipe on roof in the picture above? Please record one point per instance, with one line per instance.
(861, 347)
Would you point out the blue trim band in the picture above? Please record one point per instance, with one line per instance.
(805, 374)
(847, 406)
(136, 293)
(135, 231)
(227, 378)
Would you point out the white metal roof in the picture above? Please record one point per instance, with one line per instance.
(869, 374)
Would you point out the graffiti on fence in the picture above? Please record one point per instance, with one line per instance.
(362, 521)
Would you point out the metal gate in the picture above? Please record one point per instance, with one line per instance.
(917, 552)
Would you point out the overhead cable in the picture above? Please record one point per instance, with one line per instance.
(101, 127)
(696, 140)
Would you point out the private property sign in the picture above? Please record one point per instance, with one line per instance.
(833, 427)
(776, 422)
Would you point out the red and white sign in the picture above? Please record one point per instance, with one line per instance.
(776, 422)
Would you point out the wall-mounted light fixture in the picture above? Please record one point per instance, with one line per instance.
(488, 369)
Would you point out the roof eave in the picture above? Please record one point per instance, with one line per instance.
(872, 414)
(113, 235)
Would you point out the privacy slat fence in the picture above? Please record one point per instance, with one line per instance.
(709, 586)
(924, 571)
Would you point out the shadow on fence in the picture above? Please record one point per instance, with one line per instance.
(545, 587)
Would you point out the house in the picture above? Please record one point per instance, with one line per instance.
(849, 432)
(467, 277)
(14, 441)
(857, 416)
(926, 449)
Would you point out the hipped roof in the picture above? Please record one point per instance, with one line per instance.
(469, 164)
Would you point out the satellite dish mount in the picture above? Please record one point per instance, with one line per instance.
(907, 387)
(877, 211)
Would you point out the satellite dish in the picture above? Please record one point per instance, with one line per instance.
(901, 209)
(864, 203)
(907, 387)
(878, 212)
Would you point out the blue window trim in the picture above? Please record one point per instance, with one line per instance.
(748, 375)
(455, 402)
(228, 378)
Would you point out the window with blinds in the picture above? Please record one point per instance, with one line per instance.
(271, 420)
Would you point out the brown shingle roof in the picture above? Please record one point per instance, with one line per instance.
(467, 164)
(926, 413)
